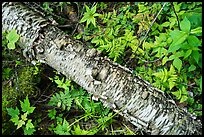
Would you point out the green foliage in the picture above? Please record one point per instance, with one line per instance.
(175, 37)
(80, 100)
(21, 120)
(170, 57)
(63, 129)
(12, 38)
(89, 16)
(78, 131)
(181, 94)
(166, 77)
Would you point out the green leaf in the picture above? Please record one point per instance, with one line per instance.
(173, 48)
(185, 25)
(24, 117)
(164, 60)
(172, 57)
(26, 106)
(29, 124)
(165, 24)
(86, 105)
(194, 41)
(29, 131)
(196, 55)
(20, 123)
(171, 84)
(177, 63)
(177, 94)
(78, 131)
(12, 36)
(172, 70)
(63, 129)
(93, 21)
(85, 18)
(197, 30)
(15, 120)
(13, 112)
(11, 45)
(52, 113)
(191, 68)
(187, 53)
(184, 91)
(183, 98)
(178, 38)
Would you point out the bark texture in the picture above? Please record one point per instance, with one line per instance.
(134, 98)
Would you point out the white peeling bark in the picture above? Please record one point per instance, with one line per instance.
(143, 105)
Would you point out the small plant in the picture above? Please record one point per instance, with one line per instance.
(12, 38)
(89, 16)
(21, 120)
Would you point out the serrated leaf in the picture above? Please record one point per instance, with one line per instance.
(177, 63)
(191, 68)
(29, 124)
(11, 45)
(24, 116)
(86, 105)
(13, 112)
(185, 25)
(52, 113)
(78, 131)
(29, 131)
(178, 38)
(25, 106)
(20, 123)
(12, 36)
(63, 129)
(15, 120)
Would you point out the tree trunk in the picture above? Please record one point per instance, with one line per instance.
(134, 98)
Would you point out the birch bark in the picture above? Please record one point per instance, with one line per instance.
(132, 97)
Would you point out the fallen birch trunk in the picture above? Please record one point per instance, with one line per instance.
(135, 99)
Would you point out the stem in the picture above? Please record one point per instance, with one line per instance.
(150, 27)
(153, 21)
(175, 14)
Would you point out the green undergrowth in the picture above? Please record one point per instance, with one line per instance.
(162, 44)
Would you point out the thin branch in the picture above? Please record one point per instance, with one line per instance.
(150, 27)
(150, 61)
(175, 14)
(153, 22)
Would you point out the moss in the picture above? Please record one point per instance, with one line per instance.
(24, 84)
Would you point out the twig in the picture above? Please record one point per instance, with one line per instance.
(150, 27)
(175, 14)
(149, 61)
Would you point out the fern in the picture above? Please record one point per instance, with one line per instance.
(61, 100)
(166, 77)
